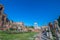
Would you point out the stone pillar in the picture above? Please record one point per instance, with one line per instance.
(1, 14)
(50, 29)
(0, 23)
(1, 9)
(4, 20)
(0, 20)
(56, 29)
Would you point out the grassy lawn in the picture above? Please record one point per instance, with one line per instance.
(20, 36)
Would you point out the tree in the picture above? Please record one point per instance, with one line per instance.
(59, 21)
(29, 26)
(32, 26)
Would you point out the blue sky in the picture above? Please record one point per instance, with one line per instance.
(30, 11)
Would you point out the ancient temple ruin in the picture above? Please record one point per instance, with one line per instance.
(3, 17)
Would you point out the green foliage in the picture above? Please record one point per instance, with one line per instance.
(21, 36)
(11, 29)
(29, 26)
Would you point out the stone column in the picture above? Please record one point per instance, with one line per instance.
(1, 9)
(0, 20)
(56, 28)
(1, 14)
(50, 29)
(4, 20)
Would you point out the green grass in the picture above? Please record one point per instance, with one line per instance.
(20, 36)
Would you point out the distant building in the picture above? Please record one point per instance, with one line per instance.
(36, 26)
(20, 26)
